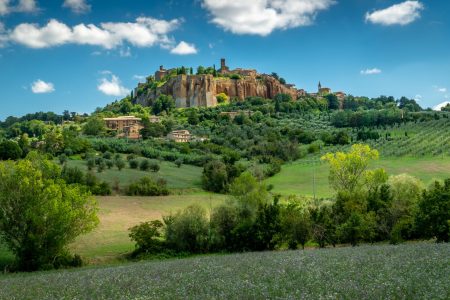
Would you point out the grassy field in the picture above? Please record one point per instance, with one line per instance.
(186, 177)
(118, 213)
(297, 177)
(109, 241)
(409, 271)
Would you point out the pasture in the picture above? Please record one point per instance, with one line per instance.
(298, 178)
(408, 271)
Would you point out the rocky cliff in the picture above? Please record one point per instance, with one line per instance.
(201, 90)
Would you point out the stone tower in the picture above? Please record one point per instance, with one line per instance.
(320, 87)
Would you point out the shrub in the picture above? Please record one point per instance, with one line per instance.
(144, 165)
(215, 176)
(187, 231)
(72, 175)
(90, 163)
(120, 163)
(102, 189)
(179, 162)
(154, 166)
(147, 186)
(134, 163)
(10, 150)
(147, 237)
(62, 159)
(109, 163)
(107, 155)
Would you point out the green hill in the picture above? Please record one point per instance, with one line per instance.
(409, 271)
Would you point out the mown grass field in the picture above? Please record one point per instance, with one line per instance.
(297, 178)
(409, 271)
(186, 177)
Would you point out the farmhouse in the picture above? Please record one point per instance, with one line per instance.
(180, 136)
(125, 126)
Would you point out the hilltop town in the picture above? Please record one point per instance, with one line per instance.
(202, 88)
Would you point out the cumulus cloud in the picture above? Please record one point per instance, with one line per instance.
(441, 105)
(77, 6)
(184, 48)
(399, 14)
(112, 86)
(144, 32)
(262, 17)
(42, 87)
(8, 6)
(418, 97)
(373, 71)
(442, 90)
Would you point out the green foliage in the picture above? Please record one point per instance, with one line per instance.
(215, 176)
(147, 186)
(348, 171)
(134, 163)
(144, 165)
(94, 127)
(10, 150)
(40, 215)
(147, 237)
(187, 231)
(222, 98)
(163, 103)
(433, 216)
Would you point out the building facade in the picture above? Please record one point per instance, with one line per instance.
(125, 126)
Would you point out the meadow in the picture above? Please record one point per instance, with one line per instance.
(187, 178)
(298, 178)
(408, 271)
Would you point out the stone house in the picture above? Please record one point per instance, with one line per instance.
(180, 136)
(125, 126)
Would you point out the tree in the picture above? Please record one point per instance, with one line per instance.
(348, 171)
(446, 108)
(296, 225)
(215, 176)
(10, 150)
(163, 103)
(333, 101)
(147, 236)
(40, 214)
(222, 98)
(433, 217)
(94, 127)
(120, 163)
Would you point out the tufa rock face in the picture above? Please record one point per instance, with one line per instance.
(201, 90)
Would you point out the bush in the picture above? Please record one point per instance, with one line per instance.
(10, 150)
(179, 162)
(147, 186)
(187, 231)
(72, 175)
(120, 163)
(109, 163)
(134, 163)
(102, 189)
(215, 176)
(147, 237)
(154, 166)
(144, 165)
(62, 159)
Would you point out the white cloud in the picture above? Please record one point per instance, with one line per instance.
(399, 14)
(27, 6)
(418, 97)
(4, 7)
(373, 71)
(145, 32)
(139, 77)
(262, 17)
(441, 105)
(125, 52)
(77, 6)
(112, 87)
(442, 90)
(184, 48)
(42, 87)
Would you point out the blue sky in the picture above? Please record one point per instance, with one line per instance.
(82, 54)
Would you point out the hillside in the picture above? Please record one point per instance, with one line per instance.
(410, 271)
